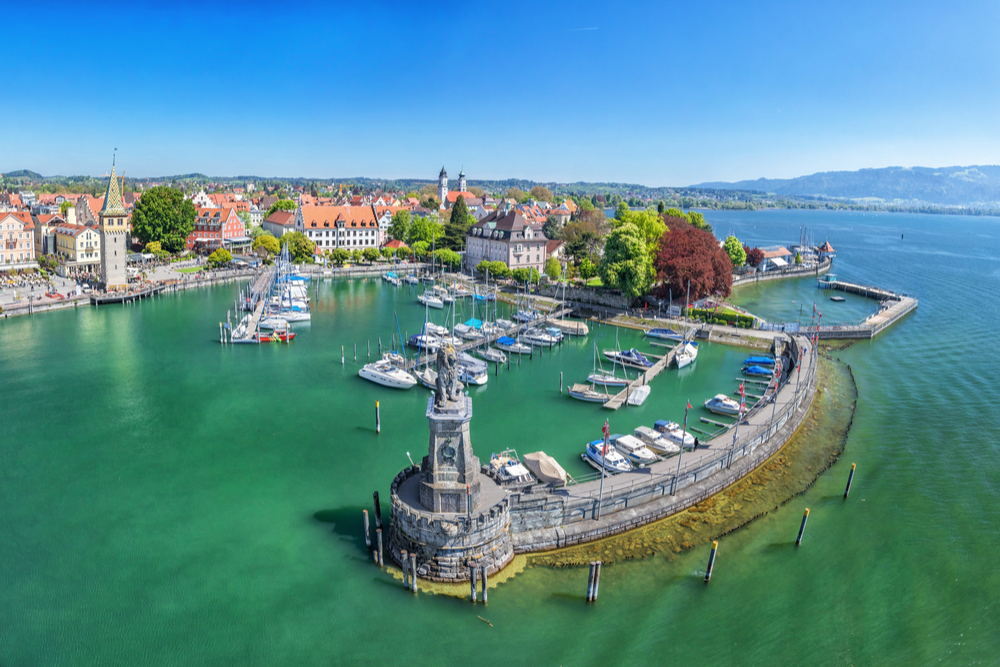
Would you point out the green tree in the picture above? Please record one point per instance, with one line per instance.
(299, 246)
(458, 225)
(735, 250)
(424, 228)
(649, 223)
(387, 252)
(585, 204)
(403, 252)
(698, 220)
(356, 256)
(65, 206)
(266, 244)
(626, 265)
(621, 211)
(154, 247)
(497, 270)
(421, 248)
(525, 275)
(553, 269)
(587, 269)
(280, 205)
(399, 229)
(542, 193)
(163, 214)
(448, 257)
(339, 256)
(220, 257)
(551, 227)
(516, 194)
(798, 258)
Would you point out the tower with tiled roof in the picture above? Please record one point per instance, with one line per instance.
(461, 181)
(442, 186)
(113, 226)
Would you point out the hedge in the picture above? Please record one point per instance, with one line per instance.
(718, 317)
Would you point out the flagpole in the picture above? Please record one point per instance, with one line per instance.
(681, 453)
(604, 457)
(774, 399)
(798, 375)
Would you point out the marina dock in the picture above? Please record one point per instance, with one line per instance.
(661, 363)
(894, 308)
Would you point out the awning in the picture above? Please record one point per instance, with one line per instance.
(777, 261)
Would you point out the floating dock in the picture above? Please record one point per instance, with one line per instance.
(662, 362)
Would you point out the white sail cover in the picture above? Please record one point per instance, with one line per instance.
(545, 467)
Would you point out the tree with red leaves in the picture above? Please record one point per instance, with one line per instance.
(687, 253)
(754, 256)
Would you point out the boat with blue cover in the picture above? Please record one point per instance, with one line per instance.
(758, 361)
(757, 371)
(665, 334)
(633, 358)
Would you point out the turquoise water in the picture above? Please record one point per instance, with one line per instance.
(159, 491)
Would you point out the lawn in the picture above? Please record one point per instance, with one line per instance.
(190, 269)
(595, 282)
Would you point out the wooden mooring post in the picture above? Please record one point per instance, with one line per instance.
(590, 581)
(413, 571)
(711, 560)
(473, 581)
(597, 579)
(378, 511)
(368, 535)
(802, 528)
(485, 584)
(405, 557)
(850, 478)
(378, 537)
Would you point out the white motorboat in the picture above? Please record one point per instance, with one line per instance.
(633, 358)
(472, 370)
(291, 315)
(387, 374)
(505, 325)
(607, 380)
(673, 432)
(687, 355)
(539, 338)
(634, 450)
(425, 343)
(273, 322)
(585, 392)
(639, 395)
(512, 346)
(545, 468)
(507, 469)
(655, 441)
(411, 280)
(526, 315)
(430, 300)
(606, 457)
(721, 404)
(435, 329)
(492, 355)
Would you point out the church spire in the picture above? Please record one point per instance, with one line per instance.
(113, 203)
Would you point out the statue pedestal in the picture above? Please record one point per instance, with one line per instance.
(450, 481)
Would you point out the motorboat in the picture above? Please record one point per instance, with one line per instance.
(538, 337)
(606, 457)
(687, 355)
(392, 279)
(430, 300)
(665, 334)
(293, 315)
(273, 322)
(505, 324)
(411, 280)
(472, 370)
(757, 371)
(634, 450)
(639, 395)
(607, 380)
(555, 333)
(721, 404)
(507, 469)
(545, 468)
(526, 315)
(586, 392)
(435, 329)
(492, 355)
(512, 346)
(633, 358)
(758, 361)
(655, 441)
(387, 373)
(425, 342)
(276, 336)
(672, 431)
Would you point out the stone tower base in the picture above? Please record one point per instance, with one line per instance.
(446, 542)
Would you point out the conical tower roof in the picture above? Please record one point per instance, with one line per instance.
(443, 173)
(113, 203)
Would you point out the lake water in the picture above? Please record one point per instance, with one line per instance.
(159, 491)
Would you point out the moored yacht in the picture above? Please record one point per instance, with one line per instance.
(721, 404)
(655, 441)
(607, 457)
(687, 355)
(673, 432)
(634, 450)
(386, 373)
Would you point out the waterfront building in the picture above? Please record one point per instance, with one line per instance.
(113, 236)
(776, 257)
(44, 236)
(348, 227)
(17, 241)
(218, 228)
(77, 246)
(505, 237)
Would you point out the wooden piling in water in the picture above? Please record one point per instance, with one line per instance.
(378, 536)
(413, 571)
(597, 579)
(368, 535)
(850, 478)
(483, 577)
(355, 352)
(378, 511)
(405, 557)
(711, 560)
(341, 355)
(590, 581)
(380, 346)
(378, 419)
(473, 581)
(560, 381)
(802, 528)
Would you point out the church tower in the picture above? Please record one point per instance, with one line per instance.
(114, 231)
(461, 181)
(443, 187)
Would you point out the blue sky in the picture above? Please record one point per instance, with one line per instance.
(658, 93)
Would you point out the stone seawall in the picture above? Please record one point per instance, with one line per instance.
(586, 296)
(546, 520)
(817, 270)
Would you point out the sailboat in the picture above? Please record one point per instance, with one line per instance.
(585, 392)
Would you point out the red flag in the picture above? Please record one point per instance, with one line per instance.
(742, 389)
(606, 430)
(689, 405)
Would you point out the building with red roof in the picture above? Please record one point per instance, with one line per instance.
(17, 241)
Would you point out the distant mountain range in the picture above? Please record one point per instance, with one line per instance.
(975, 186)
